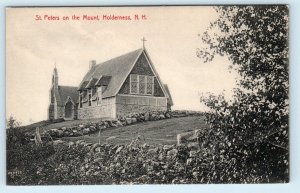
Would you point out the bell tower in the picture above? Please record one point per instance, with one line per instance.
(52, 114)
(55, 78)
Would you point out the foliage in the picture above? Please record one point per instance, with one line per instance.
(12, 123)
(255, 39)
(138, 163)
(22, 155)
(108, 164)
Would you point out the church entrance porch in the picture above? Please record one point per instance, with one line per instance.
(69, 110)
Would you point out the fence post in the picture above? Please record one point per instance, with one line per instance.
(37, 138)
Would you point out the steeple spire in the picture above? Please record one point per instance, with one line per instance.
(55, 76)
(55, 66)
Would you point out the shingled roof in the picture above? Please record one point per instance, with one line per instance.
(113, 73)
(103, 81)
(65, 92)
(170, 100)
(117, 68)
(91, 83)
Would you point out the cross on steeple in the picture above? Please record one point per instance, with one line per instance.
(143, 39)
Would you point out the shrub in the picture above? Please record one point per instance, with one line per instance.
(255, 40)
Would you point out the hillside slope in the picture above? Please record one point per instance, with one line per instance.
(153, 132)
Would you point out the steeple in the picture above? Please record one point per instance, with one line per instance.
(55, 77)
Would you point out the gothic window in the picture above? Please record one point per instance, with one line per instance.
(150, 85)
(134, 84)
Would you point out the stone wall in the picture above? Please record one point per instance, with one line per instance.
(91, 127)
(126, 104)
(106, 109)
(132, 118)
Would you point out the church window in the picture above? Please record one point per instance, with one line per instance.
(90, 97)
(150, 85)
(80, 99)
(141, 84)
(142, 81)
(134, 84)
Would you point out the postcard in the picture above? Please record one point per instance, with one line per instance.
(147, 95)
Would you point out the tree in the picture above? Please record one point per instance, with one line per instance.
(255, 40)
(12, 123)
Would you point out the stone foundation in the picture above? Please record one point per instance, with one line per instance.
(136, 104)
(107, 109)
(122, 105)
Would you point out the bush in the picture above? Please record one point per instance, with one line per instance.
(255, 40)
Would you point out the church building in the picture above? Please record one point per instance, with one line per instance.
(63, 100)
(118, 87)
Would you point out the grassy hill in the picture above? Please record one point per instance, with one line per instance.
(153, 132)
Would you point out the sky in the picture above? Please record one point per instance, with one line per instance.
(33, 47)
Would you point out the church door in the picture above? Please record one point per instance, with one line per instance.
(69, 110)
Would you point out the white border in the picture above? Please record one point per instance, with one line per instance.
(292, 186)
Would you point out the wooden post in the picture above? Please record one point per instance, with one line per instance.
(37, 138)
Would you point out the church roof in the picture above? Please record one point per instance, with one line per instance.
(91, 83)
(117, 69)
(67, 91)
(83, 85)
(103, 81)
(170, 100)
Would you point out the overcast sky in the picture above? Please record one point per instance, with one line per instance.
(32, 47)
